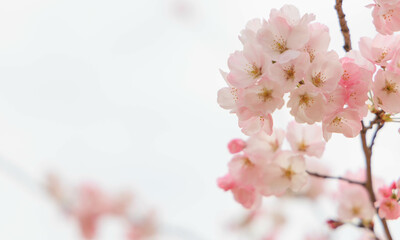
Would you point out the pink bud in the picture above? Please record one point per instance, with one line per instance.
(333, 224)
(226, 182)
(393, 185)
(236, 145)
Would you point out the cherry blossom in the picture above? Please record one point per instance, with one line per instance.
(285, 33)
(263, 98)
(246, 195)
(247, 66)
(325, 72)
(386, 16)
(379, 50)
(293, 65)
(354, 203)
(253, 124)
(386, 90)
(345, 121)
(236, 145)
(287, 171)
(306, 139)
(307, 106)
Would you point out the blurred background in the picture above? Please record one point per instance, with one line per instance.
(123, 93)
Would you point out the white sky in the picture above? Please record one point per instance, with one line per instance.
(123, 93)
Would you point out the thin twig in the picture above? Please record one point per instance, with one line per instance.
(374, 136)
(334, 177)
(343, 25)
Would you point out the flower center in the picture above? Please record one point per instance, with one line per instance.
(247, 162)
(306, 100)
(302, 147)
(337, 121)
(356, 210)
(390, 87)
(279, 45)
(254, 71)
(288, 173)
(318, 79)
(265, 94)
(289, 73)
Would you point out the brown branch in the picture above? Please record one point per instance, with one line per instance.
(333, 177)
(343, 25)
(368, 157)
(363, 134)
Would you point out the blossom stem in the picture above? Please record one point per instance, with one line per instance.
(363, 134)
(368, 157)
(334, 177)
(343, 25)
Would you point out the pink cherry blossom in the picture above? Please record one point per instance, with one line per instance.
(236, 145)
(243, 170)
(263, 147)
(247, 66)
(386, 191)
(246, 195)
(386, 90)
(345, 121)
(90, 206)
(228, 97)
(389, 208)
(357, 58)
(335, 100)
(285, 34)
(325, 72)
(394, 65)
(249, 34)
(289, 74)
(386, 16)
(292, 15)
(354, 72)
(253, 124)
(379, 50)
(264, 98)
(142, 229)
(287, 171)
(226, 182)
(307, 106)
(306, 139)
(354, 203)
(319, 40)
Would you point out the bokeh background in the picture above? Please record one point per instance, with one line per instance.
(123, 93)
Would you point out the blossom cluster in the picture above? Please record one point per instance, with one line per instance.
(88, 204)
(388, 201)
(285, 60)
(289, 54)
(260, 167)
(354, 202)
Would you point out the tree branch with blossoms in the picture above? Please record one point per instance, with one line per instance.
(368, 158)
(366, 149)
(288, 54)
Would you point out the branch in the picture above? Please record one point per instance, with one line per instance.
(374, 136)
(368, 154)
(333, 177)
(343, 25)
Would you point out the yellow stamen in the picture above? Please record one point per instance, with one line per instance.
(265, 94)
